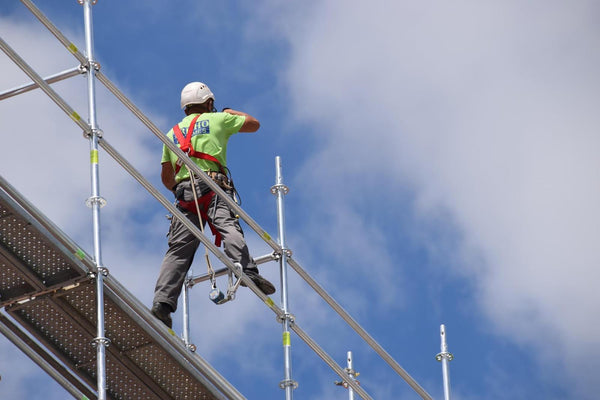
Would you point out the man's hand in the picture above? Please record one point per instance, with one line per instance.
(251, 124)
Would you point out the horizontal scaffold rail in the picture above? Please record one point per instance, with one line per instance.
(50, 79)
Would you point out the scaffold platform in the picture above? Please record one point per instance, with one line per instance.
(48, 292)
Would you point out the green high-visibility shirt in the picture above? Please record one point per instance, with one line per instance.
(210, 135)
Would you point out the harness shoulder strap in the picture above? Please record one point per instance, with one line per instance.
(185, 144)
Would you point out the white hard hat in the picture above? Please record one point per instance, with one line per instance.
(195, 93)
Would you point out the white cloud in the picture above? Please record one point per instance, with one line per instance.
(487, 112)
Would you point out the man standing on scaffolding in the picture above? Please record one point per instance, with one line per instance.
(203, 134)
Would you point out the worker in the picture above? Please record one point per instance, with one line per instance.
(203, 134)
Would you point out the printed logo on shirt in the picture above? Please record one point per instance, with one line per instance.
(202, 127)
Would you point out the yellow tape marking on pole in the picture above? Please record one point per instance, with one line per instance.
(270, 302)
(74, 116)
(80, 254)
(72, 48)
(286, 339)
(266, 236)
(94, 156)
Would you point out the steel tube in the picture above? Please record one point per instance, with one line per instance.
(263, 234)
(267, 238)
(359, 329)
(6, 328)
(188, 224)
(350, 374)
(54, 30)
(153, 128)
(445, 357)
(132, 306)
(43, 85)
(32, 85)
(168, 205)
(222, 271)
(58, 237)
(303, 274)
(196, 365)
(188, 162)
(186, 311)
(95, 200)
(446, 379)
(211, 247)
(280, 190)
(145, 120)
(329, 361)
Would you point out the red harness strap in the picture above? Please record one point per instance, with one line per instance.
(185, 144)
(203, 203)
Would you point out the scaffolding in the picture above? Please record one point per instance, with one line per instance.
(128, 342)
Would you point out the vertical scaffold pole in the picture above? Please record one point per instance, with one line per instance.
(351, 374)
(187, 285)
(280, 190)
(445, 357)
(95, 202)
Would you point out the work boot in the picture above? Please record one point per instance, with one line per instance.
(264, 285)
(163, 312)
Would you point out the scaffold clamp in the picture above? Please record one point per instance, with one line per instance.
(93, 132)
(101, 340)
(102, 270)
(279, 187)
(92, 201)
(89, 65)
(287, 383)
(444, 355)
(345, 383)
(286, 316)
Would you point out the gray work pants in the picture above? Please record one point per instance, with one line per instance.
(183, 245)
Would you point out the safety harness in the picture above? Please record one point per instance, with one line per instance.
(200, 206)
(203, 202)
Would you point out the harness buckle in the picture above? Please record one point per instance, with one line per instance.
(221, 179)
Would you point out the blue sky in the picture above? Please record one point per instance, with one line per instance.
(442, 161)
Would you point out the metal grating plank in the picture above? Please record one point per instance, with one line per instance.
(47, 290)
(48, 322)
(136, 367)
(12, 282)
(25, 243)
(133, 343)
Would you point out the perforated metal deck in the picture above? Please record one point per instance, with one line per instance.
(48, 292)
